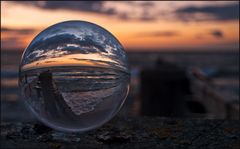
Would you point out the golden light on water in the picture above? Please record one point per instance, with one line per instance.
(91, 60)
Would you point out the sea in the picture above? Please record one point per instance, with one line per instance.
(222, 66)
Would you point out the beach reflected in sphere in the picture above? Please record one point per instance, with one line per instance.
(74, 76)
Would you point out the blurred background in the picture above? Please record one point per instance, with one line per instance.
(183, 55)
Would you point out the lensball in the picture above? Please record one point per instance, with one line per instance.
(74, 76)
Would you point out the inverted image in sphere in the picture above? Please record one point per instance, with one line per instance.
(74, 76)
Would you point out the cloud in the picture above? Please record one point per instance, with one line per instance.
(11, 43)
(146, 11)
(144, 17)
(219, 13)
(85, 42)
(97, 7)
(17, 31)
(14, 38)
(217, 33)
(140, 3)
(199, 36)
(87, 6)
(65, 44)
(160, 34)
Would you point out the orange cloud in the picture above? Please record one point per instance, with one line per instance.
(132, 32)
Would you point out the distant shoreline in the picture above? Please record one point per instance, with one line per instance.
(64, 67)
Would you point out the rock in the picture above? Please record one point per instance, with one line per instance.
(40, 128)
(128, 133)
(113, 137)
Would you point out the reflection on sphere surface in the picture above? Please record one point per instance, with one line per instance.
(74, 76)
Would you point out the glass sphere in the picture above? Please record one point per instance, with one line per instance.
(74, 76)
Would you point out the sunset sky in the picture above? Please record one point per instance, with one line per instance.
(139, 26)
